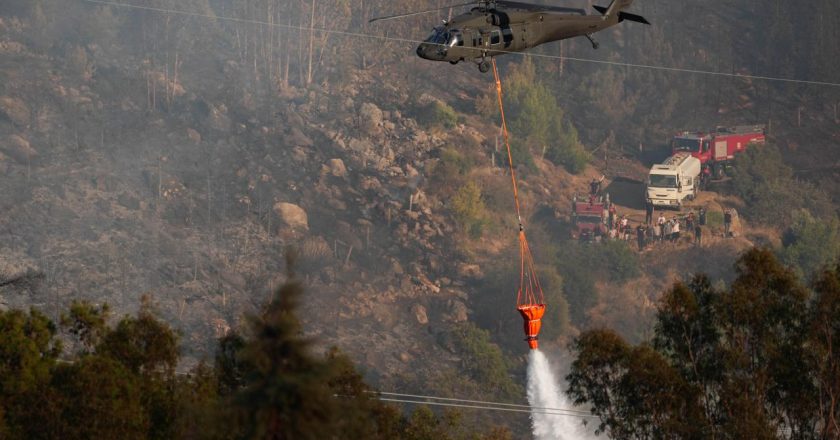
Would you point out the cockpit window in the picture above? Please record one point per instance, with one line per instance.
(682, 144)
(439, 36)
(662, 181)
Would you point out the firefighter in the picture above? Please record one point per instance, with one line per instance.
(640, 236)
(595, 186)
(705, 177)
(675, 230)
(622, 227)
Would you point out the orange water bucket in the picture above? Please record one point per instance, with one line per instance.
(532, 315)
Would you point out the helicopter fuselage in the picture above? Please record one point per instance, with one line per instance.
(481, 33)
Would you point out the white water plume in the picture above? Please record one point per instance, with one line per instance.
(544, 392)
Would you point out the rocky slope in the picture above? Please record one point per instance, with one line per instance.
(123, 177)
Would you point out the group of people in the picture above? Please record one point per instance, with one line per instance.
(654, 231)
(670, 229)
(659, 230)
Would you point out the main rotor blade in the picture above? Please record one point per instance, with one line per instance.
(532, 7)
(389, 17)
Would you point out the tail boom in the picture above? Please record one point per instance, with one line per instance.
(615, 10)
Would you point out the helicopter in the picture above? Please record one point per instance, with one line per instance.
(496, 27)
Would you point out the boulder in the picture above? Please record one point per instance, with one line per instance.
(292, 215)
(736, 228)
(470, 271)
(420, 314)
(396, 267)
(297, 138)
(427, 283)
(19, 149)
(456, 311)
(337, 168)
(370, 118)
(363, 147)
(193, 136)
(11, 46)
(15, 110)
(220, 327)
(218, 118)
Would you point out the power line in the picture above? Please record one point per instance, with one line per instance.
(488, 408)
(483, 402)
(408, 40)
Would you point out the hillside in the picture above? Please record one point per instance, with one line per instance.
(179, 157)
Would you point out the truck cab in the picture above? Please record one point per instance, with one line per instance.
(672, 182)
(588, 221)
(698, 144)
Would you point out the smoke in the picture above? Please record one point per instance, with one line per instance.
(544, 392)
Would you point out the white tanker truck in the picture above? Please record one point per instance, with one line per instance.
(673, 181)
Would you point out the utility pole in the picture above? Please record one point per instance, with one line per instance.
(311, 38)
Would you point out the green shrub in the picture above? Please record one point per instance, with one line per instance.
(565, 148)
(456, 160)
(772, 194)
(533, 111)
(556, 319)
(579, 290)
(448, 173)
(809, 244)
(582, 264)
(469, 209)
(439, 114)
(482, 360)
(714, 219)
(521, 155)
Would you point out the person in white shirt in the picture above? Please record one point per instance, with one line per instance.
(675, 230)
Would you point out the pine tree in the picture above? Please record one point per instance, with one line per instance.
(285, 394)
(739, 363)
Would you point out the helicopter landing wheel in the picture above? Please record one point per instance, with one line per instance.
(454, 62)
(484, 67)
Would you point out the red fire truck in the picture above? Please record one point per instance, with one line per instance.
(717, 148)
(588, 221)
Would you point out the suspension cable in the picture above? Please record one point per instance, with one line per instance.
(507, 142)
(530, 291)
